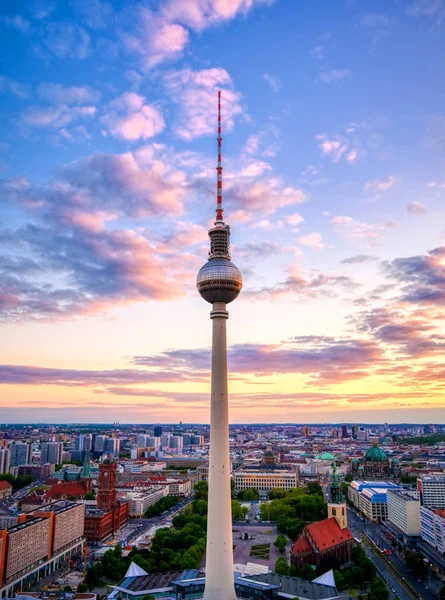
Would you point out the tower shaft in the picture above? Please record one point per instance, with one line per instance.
(219, 584)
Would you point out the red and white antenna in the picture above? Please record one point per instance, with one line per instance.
(219, 206)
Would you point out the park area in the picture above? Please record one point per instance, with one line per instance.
(258, 547)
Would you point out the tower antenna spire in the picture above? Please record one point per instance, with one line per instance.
(219, 206)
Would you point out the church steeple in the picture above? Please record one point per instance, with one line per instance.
(336, 504)
(335, 495)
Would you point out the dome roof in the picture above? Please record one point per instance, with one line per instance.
(355, 459)
(395, 461)
(375, 454)
(327, 456)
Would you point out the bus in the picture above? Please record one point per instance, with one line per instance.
(358, 541)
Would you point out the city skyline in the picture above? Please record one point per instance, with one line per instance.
(333, 184)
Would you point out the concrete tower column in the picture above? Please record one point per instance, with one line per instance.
(219, 583)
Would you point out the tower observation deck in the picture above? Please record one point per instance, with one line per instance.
(219, 282)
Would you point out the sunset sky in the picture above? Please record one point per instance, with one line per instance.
(334, 187)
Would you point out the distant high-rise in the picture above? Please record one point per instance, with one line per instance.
(20, 454)
(344, 431)
(219, 282)
(157, 431)
(141, 440)
(51, 452)
(5, 460)
(112, 446)
(99, 443)
(354, 431)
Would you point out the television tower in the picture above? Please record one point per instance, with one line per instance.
(219, 282)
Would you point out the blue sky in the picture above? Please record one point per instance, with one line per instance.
(334, 185)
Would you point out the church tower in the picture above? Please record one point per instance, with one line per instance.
(336, 503)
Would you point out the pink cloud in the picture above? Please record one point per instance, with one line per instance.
(155, 38)
(194, 92)
(200, 14)
(294, 219)
(333, 148)
(130, 118)
(55, 93)
(380, 185)
(312, 240)
(358, 230)
(58, 116)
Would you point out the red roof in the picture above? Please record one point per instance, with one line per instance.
(302, 545)
(4, 485)
(75, 488)
(327, 533)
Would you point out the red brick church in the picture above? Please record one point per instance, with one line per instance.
(328, 541)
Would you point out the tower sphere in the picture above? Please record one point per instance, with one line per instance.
(219, 280)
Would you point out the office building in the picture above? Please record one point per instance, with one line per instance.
(37, 471)
(157, 431)
(265, 478)
(112, 447)
(83, 442)
(404, 511)
(141, 440)
(51, 452)
(370, 498)
(99, 443)
(20, 454)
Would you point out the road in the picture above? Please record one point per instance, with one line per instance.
(392, 568)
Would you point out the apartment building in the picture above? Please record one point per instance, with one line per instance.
(432, 491)
(433, 527)
(141, 498)
(34, 547)
(404, 511)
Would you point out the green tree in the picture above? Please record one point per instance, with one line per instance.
(281, 542)
(340, 581)
(379, 590)
(82, 587)
(349, 477)
(313, 487)
(201, 490)
(409, 479)
(277, 493)
(249, 495)
(442, 593)
(415, 563)
(306, 572)
(281, 566)
(358, 578)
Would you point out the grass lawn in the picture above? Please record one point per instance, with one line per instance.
(260, 551)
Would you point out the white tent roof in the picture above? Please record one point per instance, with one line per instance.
(326, 579)
(135, 571)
